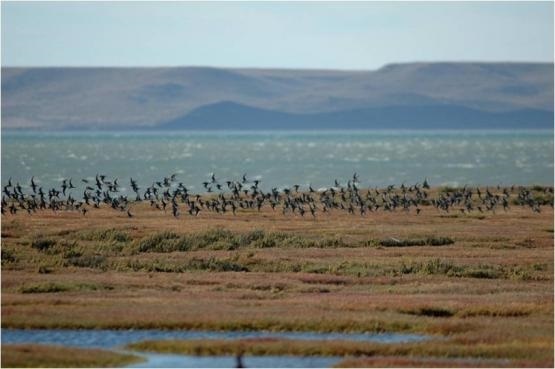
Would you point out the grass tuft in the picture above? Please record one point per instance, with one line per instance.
(34, 356)
(430, 241)
(87, 261)
(159, 242)
(42, 244)
(8, 256)
(110, 234)
(431, 311)
(221, 239)
(53, 287)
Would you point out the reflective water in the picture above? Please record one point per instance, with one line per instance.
(116, 339)
(282, 159)
(185, 361)
(105, 338)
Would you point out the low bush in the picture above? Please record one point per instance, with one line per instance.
(87, 261)
(110, 234)
(215, 265)
(45, 269)
(394, 242)
(42, 244)
(431, 311)
(44, 288)
(7, 256)
(430, 241)
(481, 272)
(159, 242)
(496, 311)
(53, 287)
(220, 239)
(439, 241)
(447, 189)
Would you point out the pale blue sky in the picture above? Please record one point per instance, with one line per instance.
(328, 35)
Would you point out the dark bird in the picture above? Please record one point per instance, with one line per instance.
(33, 185)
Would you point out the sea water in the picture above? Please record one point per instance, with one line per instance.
(282, 159)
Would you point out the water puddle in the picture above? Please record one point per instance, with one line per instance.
(185, 361)
(116, 339)
(106, 338)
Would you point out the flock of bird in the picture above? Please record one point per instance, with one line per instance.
(229, 196)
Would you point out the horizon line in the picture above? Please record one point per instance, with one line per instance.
(278, 68)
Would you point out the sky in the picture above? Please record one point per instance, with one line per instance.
(323, 35)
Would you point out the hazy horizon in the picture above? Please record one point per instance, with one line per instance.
(268, 35)
(282, 68)
(277, 64)
(433, 95)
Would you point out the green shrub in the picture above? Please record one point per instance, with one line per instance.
(519, 273)
(221, 239)
(436, 312)
(7, 256)
(446, 189)
(437, 266)
(87, 261)
(439, 241)
(430, 241)
(159, 242)
(44, 269)
(71, 253)
(543, 199)
(215, 239)
(110, 234)
(486, 273)
(52, 287)
(216, 265)
(44, 288)
(269, 241)
(393, 242)
(42, 244)
(250, 237)
(409, 269)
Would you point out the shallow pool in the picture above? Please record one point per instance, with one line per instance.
(186, 361)
(117, 339)
(107, 338)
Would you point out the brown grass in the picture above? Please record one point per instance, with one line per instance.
(436, 348)
(41, 356)
(426, 362)
(492, 288)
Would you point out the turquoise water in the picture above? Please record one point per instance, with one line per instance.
(281, 159)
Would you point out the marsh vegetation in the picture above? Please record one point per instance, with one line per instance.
(481, 287)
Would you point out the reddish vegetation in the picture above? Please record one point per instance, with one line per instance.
(490, 294)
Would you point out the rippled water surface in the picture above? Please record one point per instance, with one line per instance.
(284, 158)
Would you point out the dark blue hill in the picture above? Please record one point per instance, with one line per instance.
(230, 115)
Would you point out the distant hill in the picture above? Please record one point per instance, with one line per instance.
(237, 116)
(414, 95)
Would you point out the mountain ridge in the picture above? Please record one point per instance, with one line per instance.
(150, 97)
(219, 115)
